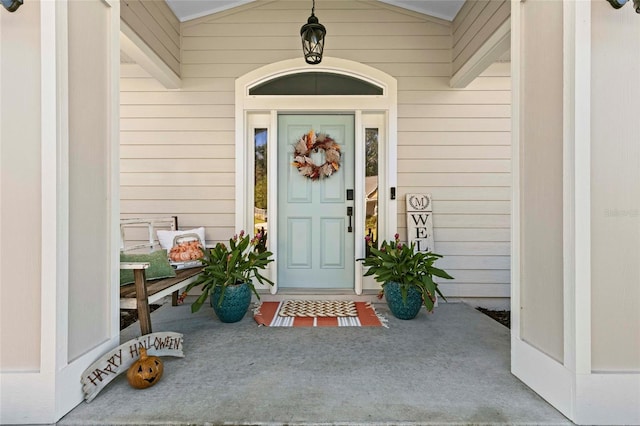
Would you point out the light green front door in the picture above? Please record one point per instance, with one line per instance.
(315, 241)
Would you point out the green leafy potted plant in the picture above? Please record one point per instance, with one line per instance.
(406, 276)
(227, 277)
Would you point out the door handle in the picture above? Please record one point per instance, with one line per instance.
(350, 214)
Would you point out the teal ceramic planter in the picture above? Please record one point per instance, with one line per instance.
(398, 307)
(235, 303)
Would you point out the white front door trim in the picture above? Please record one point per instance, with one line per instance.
(370, 111)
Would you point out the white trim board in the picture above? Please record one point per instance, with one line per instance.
(114, 181)
(28, 398)
(594, 398)
(515, 170)
(577, 181)
(550, 379)
(607, 398)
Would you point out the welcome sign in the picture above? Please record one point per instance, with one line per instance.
(420, 221)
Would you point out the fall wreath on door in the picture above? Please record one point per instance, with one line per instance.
(316, 143)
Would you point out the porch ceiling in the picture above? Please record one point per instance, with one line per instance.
(190, 9)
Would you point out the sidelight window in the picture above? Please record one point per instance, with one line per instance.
(371, 184)
(260, 184)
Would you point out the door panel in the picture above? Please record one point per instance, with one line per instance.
(315, 247)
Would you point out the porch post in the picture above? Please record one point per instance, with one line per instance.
(64, 112)
(593, 376)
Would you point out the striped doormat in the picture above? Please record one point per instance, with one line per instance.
(315, 313)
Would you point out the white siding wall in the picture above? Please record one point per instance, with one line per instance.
(154, 22)
(178, 146)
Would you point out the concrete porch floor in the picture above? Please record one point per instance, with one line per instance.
(450, 367)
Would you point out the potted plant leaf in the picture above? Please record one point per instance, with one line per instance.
(406, 276)
(228, 274)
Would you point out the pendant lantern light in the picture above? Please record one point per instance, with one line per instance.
(617, 4)
(312, 34)
(12, 5)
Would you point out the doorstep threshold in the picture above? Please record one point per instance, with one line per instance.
(319, 294)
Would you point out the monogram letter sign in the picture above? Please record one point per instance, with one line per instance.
(420, 221)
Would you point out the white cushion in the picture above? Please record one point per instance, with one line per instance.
(166, 237)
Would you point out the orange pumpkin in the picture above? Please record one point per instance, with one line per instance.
(146, 371)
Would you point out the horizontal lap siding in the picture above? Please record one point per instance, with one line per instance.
(178, 146)
(456, 145)
(474, 24)
(177, 153)
(154, 22)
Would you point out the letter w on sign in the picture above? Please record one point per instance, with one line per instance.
(118, 360)
(420, 221)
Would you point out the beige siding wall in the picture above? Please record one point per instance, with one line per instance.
(154, 22)
(20, 189)
(178, 146)
(615, 192)
(455, 144)
(474, 24)
(177, 151)
(541, 179)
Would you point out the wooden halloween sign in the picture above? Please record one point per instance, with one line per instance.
(118, 360)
